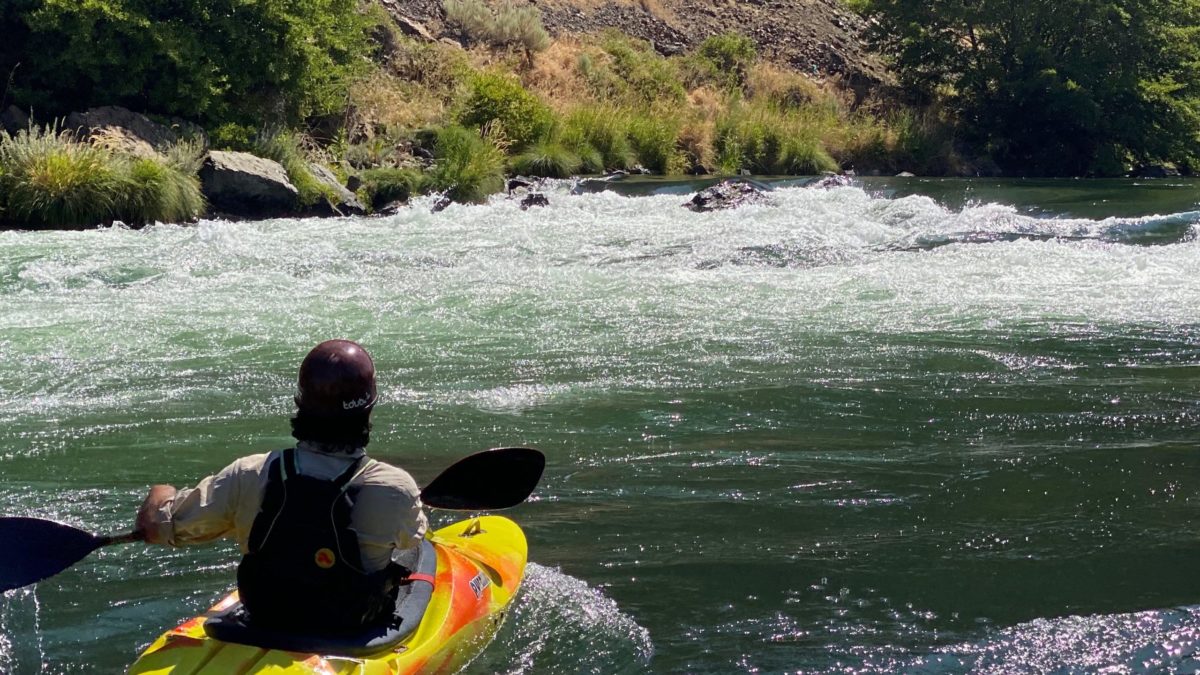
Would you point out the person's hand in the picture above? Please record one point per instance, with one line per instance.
(147, 516)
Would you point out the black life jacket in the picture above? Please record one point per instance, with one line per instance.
(304, 569)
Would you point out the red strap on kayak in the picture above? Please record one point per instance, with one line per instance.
(427, 578)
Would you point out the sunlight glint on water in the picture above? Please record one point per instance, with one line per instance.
(835, 433)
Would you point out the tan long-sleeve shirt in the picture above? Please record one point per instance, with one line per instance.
(387, 514)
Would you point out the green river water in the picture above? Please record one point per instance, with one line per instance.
(908, 426)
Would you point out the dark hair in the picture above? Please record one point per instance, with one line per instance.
(351, 431)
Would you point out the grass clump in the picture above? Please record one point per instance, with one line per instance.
(763, 139)
(384, 186)
(510, 25)
(49, 178)
(548, 158)
(52, 180)
(285, 147)
(605, 130)
(469, 164)
(654, 139)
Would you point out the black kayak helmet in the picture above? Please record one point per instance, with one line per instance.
(337, 380)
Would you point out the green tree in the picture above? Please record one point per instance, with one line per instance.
(1056, 87)
(211, 60)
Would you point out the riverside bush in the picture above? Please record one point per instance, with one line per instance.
(385, 186)
(50, 179)
(213, 61)
(497, 98)
(469, 164)
(762, 139)
(547, 158)
(604, 129)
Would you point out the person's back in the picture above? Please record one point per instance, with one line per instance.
(326, 532)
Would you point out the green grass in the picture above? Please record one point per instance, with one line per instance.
(385, 185)
(604, 129)
(764, 139)
(48, 179)
(498, 98)
(284, 147)
(654, 139)
(547, 158)
(469, 166)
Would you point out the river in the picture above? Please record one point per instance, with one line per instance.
(909, 426)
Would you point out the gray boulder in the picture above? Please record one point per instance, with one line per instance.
(347, 204)
(129, 130)
(1156, 171)
(728, 194)
(13, 119)
(240, 184)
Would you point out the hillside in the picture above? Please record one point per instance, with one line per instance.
(822, 38)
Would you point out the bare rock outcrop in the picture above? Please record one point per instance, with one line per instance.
(242, 185)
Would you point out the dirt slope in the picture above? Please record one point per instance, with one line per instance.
(819, 37)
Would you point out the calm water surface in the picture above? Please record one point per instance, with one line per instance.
(909, 426)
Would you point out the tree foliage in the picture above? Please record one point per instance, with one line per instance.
(212, 60)
(1056, 87)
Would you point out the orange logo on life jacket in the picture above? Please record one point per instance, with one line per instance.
(324, 559)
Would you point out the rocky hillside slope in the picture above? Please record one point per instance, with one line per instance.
(819, 37)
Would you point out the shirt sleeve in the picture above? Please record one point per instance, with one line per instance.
(208, 511)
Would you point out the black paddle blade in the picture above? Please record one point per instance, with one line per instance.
(32, 549)
(487, 481)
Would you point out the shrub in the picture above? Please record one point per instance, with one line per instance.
(384, 186)
(472, 18)
(606, 131)
(215, 62)
(521, 26)
(548, 158)
(50, 179)
(514, 25)
(646, 75)
(654, 138)
(469, 165)
(496, 98)
(724, 59)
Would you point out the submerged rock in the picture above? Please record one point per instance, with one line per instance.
(441, 204)
(240, 184)
(728, 194)
(534, 199)
(829, 181)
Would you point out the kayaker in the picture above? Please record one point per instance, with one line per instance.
(326, 532)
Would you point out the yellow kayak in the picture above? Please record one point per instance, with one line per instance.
(480, 564)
